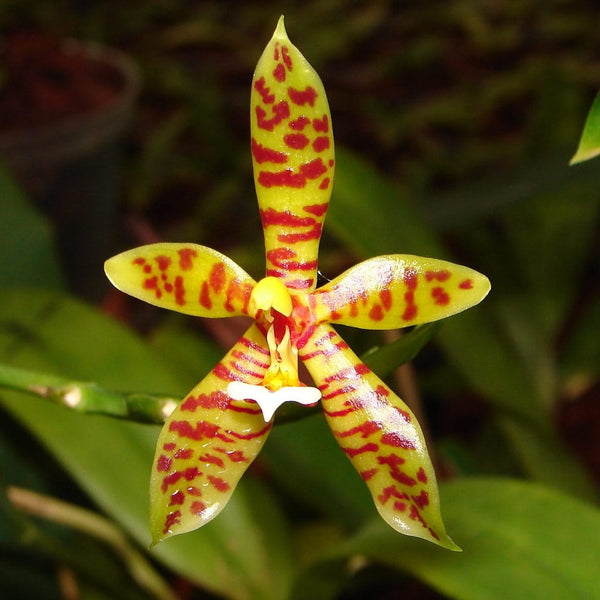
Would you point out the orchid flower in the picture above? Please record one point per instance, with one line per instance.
(218, 429)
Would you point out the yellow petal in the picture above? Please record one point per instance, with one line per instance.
(293, 159)
(380, 436)
(207, 443)
(187, 278)
(399, 290)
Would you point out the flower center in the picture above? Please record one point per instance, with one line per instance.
(271, 305)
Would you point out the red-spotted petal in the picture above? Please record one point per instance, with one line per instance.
(293, 159)
(380, 436)
(188, 278)
(398, 290)
(208, 442)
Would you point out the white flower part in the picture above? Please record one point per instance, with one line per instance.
(270, 401)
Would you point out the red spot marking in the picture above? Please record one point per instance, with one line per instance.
(335, 315)
(163, 262)
(349, 373)
(217, 277)
(321, 143)
(321, 125)
(391, 492)
(313, 169)
(281, 111)
(376, 313)
(177, 497)
(169, 446)
(152, 284)
(365, 429)
(147, 269)
(441, 275)
(283, 259)
(467, 284)
(386, 299)
(251, 359)
(139, 261)
(393, 439)
(263, 154)
(197, 507)
(279, 72)
(201, 431)
(285, 218)
(264, 91)
(168, 287)
(254, 346)
(172, 519)
(216, 399)
(316, 209)
(421, 475)
(312, 234)
(184, 453)
(392, 460)
(331, 162)
(204, 298)
(422, 500)
(352, 452)
(194, 491)
(297, 141)
(299, 124)
(299, 284)
(285, 178)
(189, 474)
(222, 372)
(251, 436)
(325, 183)
(209, 458)
(410, 312)
(238, 291)
(179, 291)
(410, 278)
(286, 58)
(415, 515)
(399, 506)
(302, 97)
(440, 296)
(433, 533)
(186, 256)
(218, 483)
(366, 475)
(236, 456)
(164, 463)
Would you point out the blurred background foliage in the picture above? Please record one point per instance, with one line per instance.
(454, 123)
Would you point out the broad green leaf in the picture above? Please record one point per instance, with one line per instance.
(26, 241)
(589, 144)
(305, 458)
(111, 459)
(383, 360)
(519, 540)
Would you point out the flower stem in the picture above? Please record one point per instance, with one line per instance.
(88, 397)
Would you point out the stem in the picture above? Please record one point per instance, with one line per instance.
(88, 397)
(96, 526)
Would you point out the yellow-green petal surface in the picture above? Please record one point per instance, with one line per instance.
(187, 278)
(380, 436)
(207, 443)
(292, 157)
(399, 290)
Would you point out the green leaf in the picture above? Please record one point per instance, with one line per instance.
(26, 241)
(383, 360)
(111, 459)
(589, 144)
(519, 540)
(304, 457)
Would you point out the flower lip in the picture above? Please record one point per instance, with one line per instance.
(270, 401)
